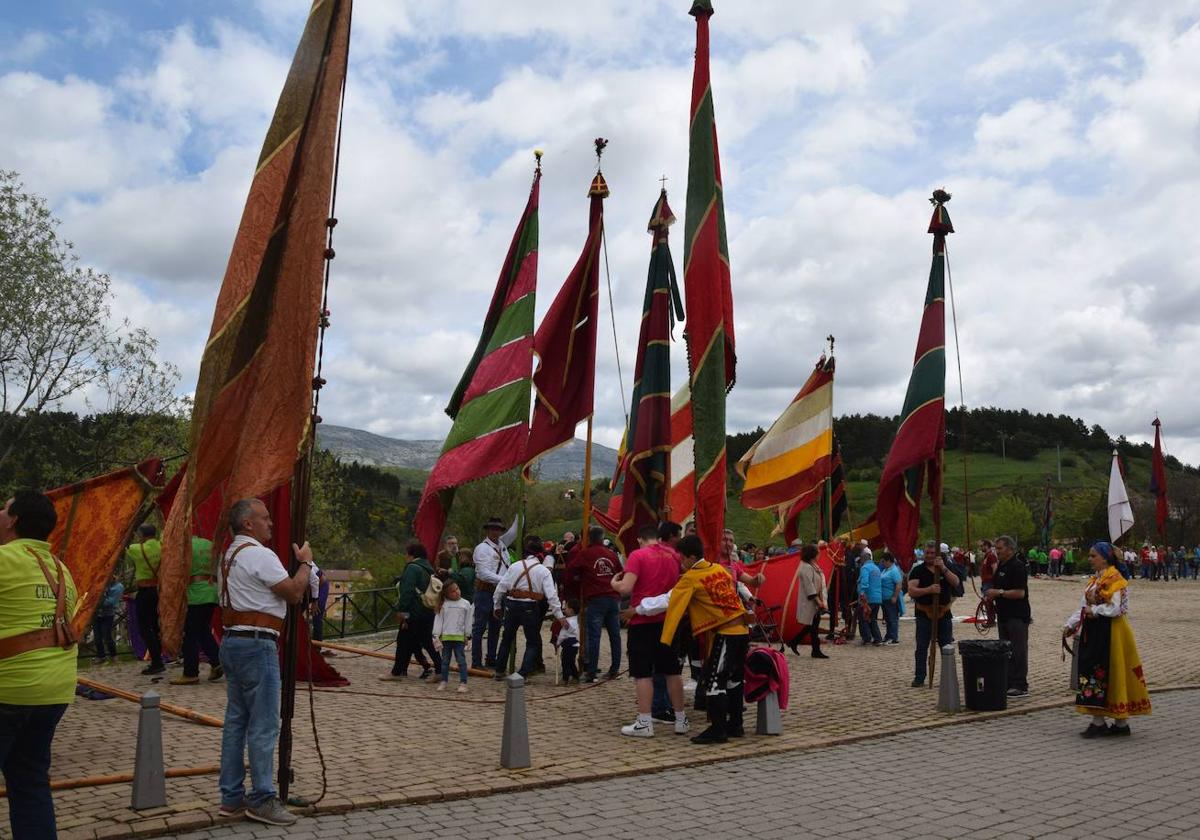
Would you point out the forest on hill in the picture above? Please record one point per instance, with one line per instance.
(362, 515)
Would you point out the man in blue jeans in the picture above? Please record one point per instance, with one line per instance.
(890, 590)
(37, 658)
(255, 590)
(933, 586)
(870, 594)
(592, 569)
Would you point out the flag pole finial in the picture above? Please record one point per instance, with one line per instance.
(940, 224)
(599, 185)
(537, 156)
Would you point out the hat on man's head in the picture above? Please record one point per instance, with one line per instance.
(863, 542)
(945, 549)
(493, 522)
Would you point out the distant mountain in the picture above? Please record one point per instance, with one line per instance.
(563, 464)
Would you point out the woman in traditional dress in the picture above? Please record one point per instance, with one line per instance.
(810, 602)
(1111, 683)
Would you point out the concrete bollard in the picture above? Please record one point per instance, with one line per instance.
(1074, 686)
(149, 781)
(770, 722)
(514, 745)
(949, 697)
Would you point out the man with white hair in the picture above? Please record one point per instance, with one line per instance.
(255, 591)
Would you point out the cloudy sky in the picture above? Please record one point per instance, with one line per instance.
(1068, 132)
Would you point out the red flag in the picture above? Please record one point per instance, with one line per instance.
(1158, 482)
(565, 346)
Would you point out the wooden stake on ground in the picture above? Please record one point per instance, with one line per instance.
(169, 708)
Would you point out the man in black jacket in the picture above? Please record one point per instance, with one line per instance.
(1010, 593)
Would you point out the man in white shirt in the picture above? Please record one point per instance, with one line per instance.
(255, 590)
(523, 589)
(491, 563)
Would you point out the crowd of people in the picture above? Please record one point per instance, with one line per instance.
(464, 609)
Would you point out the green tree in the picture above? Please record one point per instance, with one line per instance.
(1010, 516)
(58, 338)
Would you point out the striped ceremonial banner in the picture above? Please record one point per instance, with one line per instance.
(682, 498)
(793, 458)
(490, 406)
(640, 491)
(253, 399)
(706, 280)
(915, 458)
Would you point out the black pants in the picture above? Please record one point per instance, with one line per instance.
(528, 616)
(1016, 631)
(722, 682)
(197, 636)
(413, 638)
(26, 733)
(102, 631)
(569, 654)
(146, 604)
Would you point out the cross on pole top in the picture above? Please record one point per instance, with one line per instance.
(663, 181)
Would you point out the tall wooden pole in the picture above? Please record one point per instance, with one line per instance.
(587, 485)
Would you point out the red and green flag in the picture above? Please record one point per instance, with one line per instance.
(1158, 481)
(490, 406)
(640, 492)
(565, 345)
(709, 330)
(915, 459)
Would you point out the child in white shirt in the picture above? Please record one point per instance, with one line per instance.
(452, 631)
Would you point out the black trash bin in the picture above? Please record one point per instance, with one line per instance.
(985, 673)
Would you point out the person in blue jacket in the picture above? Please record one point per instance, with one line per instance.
(891, 582)
(870, 596)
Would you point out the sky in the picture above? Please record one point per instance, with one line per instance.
(1068, 134)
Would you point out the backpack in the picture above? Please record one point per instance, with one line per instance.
(432, 592)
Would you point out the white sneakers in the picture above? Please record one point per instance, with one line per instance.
(462, 688)
(639, 730)
(682, 725)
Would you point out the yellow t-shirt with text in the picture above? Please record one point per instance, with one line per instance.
(46, 676)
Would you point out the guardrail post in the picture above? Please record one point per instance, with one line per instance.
(770, 722)
(949, 699)
(514, 744)
(149, 781)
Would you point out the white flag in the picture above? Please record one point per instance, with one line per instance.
(1120, 512)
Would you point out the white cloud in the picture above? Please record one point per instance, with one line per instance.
(1075, 275)
(1029, 136)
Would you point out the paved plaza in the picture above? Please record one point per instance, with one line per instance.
(389, 744)
(1026, 776)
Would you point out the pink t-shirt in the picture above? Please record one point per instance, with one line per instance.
(657, 570)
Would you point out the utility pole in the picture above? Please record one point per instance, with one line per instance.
(1003, 435)
(1058, 452)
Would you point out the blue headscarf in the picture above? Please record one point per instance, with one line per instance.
(1109, 553)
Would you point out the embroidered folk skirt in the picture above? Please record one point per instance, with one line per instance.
(1111, 681)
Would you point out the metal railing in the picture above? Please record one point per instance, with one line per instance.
(361, 611)
(354, 613)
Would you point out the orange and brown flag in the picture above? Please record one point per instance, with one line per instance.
(254, 395)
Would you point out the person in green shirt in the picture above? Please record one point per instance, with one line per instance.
(416, 620)
(197, 625)
(145, 554)
(38, 658)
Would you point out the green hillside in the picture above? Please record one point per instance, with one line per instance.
(1079, 500)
